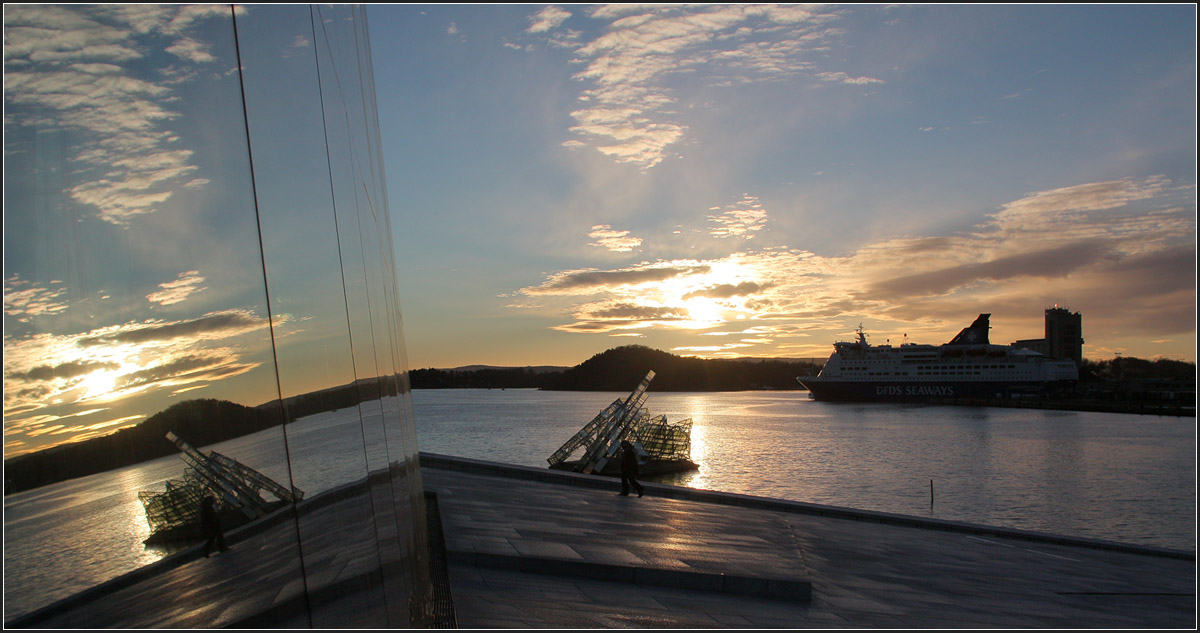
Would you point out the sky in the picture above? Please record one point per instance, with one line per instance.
(719, 181)
(760, 180)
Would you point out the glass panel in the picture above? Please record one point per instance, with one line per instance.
(368, 266)
(134, 300)
(196, 225)
(328, 439)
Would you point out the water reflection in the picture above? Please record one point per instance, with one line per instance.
(701, 454)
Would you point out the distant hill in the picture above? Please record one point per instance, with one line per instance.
(334, 398)
(621, 368)
(537, 369)
(483, 377)
(200, 422)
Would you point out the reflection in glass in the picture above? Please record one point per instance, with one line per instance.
(197, 241)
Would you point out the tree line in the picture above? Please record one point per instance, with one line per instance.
(1123, 368)
(622, 368)
(200, 422)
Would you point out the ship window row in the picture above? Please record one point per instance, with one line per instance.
(852, 366)
(964, 367)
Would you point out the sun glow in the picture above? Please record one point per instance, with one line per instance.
(99, 383)
(712, 297)
(704, 312)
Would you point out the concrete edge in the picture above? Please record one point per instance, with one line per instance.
(757, 587)
(546, 475)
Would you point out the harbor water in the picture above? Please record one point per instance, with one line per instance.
(1116, 477)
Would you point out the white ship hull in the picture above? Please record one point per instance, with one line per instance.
(966, 367)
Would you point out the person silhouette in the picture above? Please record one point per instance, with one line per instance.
(210, 525)
(629, 469)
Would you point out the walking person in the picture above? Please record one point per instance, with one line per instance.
(629, 469)
(210, 525)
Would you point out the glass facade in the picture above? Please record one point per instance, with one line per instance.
(197, 240)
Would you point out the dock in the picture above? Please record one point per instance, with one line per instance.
(532, 547)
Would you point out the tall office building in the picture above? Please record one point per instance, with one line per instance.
(197, 239)
(1063, 337)
(1064, 334)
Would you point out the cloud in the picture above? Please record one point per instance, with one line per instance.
(843, 78)
(213, 325)
(22, 299)
(629, 112)
(67, 370)
(179, 290)
(299, 45)
(1048, 263)
(630, 311)
(711, 350)
(741, 220)
(191, 50)
(208, 366)
(725, 291)
(1078, 245)
(547, 19)
(1096, 196)
(71, 68)
(592, 280)
(616, 241)
(84, 432)
(47, 374)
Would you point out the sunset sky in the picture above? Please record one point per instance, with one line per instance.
(739, 180)
(716, 180)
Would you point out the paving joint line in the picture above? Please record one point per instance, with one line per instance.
(751, 586)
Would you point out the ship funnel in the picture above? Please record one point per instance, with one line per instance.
(975, 334)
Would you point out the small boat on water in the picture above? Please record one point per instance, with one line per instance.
(968, 366)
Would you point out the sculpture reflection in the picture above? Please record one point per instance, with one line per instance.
(191, 503)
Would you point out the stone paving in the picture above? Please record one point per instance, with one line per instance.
(534, 548)
(529, 548)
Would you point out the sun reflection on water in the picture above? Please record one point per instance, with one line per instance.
(700, 455)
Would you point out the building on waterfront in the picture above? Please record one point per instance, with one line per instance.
(195, 208)
(1064, 336)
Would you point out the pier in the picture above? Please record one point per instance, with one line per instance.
(537, 548)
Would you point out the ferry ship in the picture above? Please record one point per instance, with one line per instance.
(966, 367)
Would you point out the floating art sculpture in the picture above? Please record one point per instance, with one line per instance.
(662, 446)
